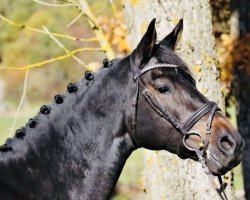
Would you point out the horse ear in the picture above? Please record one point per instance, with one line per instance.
(145, 47)
(171, 39)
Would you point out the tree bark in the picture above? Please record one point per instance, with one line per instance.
(165, 175)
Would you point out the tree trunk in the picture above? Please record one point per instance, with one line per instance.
(165, 175)
(241, 81)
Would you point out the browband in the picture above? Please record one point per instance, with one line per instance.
(138, 72)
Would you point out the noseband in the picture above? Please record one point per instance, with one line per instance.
(183, 127)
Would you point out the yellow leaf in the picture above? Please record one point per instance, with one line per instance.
(118, 31)
(134, 2)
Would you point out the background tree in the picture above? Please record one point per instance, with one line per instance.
(165, 175)
(240, 55)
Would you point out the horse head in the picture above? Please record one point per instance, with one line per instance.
(171, 114)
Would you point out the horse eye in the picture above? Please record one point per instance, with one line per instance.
(163, 89)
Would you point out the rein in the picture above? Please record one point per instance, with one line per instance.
(183, 127)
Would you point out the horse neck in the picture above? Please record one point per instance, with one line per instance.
(79, 149)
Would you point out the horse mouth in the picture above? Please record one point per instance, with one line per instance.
(216, 166)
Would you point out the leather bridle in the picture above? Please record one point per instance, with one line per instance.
(183, 127)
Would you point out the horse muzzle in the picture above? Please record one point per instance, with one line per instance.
(226, 155)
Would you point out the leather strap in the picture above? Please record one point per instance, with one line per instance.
(158, 108)
(138, 73)
(201, 112)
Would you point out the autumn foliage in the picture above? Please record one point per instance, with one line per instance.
(115, 33)
(234, 53)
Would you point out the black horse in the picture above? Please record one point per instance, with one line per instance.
(76, 147)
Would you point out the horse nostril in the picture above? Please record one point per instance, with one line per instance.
(226, 144)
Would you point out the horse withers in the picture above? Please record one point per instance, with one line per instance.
(76, 147)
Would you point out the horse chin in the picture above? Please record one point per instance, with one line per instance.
(216, 165)
(213, 163)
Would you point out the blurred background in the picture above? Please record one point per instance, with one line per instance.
(22, 91)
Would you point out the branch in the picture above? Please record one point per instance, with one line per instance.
(55, 5)
(43, 32)
(70, 3)
(97, 30)
(40, 64)
(65, 49)
(114, 8)
(74, 20)
(84, 8)
(20, 103)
